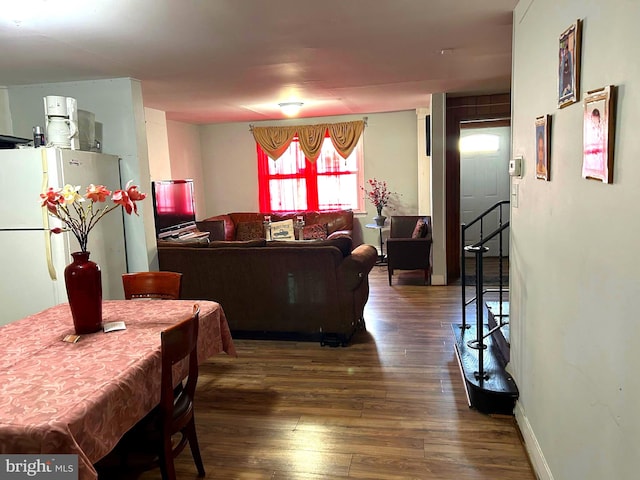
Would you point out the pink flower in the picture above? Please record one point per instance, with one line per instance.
(134, 194)
(79, 217)
(51, 199)
(128, 197)
(379, 195)
(97, 193)
(120, 197)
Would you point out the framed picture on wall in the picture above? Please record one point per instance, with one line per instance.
(543, 147)
(599, 134)
(569, 65)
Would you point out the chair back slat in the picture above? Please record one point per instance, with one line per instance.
(158, 285)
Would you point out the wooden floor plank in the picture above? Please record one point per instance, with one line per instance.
(389, 406)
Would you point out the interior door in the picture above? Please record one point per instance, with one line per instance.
(484, 181)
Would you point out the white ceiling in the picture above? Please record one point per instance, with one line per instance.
(210, 61)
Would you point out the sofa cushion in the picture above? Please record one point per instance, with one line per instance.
(314, 232)
(258, 242)
(249, 231)
(183, 243)
(216, 228)
(334, 219)
(421, 229)
(343, 244)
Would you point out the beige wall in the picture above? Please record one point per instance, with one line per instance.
(390, 146)
(573, 258)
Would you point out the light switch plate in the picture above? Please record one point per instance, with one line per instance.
(514, 195)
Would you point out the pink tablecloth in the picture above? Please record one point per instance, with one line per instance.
(58, 397)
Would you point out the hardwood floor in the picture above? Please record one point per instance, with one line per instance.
(389, 406)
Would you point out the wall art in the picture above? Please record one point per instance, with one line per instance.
(599, 134)
(543, 147)
(569, 65)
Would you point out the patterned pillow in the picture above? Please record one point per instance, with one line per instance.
(315, 232)
(421, 229)
(249, 231)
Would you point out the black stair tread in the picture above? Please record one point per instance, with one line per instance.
(498, 392)
(499, 380)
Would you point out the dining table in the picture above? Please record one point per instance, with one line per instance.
(58, 396)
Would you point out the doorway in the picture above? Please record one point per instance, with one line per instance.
(484, 181)
(495, 109)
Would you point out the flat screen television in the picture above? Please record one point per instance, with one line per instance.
(173, 204)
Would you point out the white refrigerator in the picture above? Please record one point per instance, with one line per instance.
(32, 260)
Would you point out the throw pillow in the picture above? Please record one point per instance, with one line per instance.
(420, 229)
(249, 231)
(314, 232)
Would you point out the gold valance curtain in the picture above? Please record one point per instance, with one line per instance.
(275, 140)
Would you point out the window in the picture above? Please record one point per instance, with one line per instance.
(480, 142)
(293, 183)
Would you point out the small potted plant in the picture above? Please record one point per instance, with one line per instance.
(379, 195)
(79, 214)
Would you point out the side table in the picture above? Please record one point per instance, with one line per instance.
(382, 260)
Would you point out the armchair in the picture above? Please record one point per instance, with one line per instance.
(409, 245)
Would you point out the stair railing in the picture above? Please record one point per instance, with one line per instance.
(479, 249)
(479, 280)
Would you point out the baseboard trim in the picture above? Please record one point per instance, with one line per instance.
(540, 466)
(438, 280)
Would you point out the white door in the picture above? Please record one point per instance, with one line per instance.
(484, 181)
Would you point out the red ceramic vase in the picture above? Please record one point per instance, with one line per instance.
(84, 290)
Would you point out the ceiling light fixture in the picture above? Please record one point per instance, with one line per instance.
(290, 109)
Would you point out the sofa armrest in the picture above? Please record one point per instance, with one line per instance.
(356, 267)
(340, 233)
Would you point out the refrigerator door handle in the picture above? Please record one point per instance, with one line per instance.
(45, 218)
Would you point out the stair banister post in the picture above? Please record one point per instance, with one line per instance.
(463, 273)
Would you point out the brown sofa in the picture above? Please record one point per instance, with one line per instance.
(308, 290)
(339, 223)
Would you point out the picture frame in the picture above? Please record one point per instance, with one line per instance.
(282, 230)
(599, 134)
(569, 52)
(543, 147)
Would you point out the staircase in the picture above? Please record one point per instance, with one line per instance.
(482, 345)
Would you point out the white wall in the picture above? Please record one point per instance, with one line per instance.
(574, 261)
(438, 193)
(230, 171)
(117, 104)
(158, 143)
(424, 162)
(186, 160)
(6, 126)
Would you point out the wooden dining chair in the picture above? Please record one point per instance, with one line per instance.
(176, 406)
(158, 285)
(149, 444)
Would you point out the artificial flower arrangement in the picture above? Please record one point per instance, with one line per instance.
(379, 195)
(80, 217)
